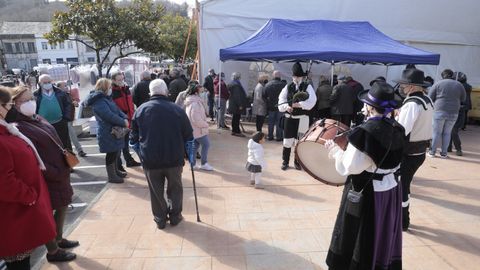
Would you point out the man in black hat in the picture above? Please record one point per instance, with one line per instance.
(416, 116)
(296, 99)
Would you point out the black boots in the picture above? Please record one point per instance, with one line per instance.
(286, 157)
(112, 174)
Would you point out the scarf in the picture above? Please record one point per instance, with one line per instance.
(15, 132)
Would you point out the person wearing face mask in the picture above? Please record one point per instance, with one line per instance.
(296, 112)
(123, 98)
(108, 115)
(259, 108)
(55, 106)
(197, 110)
(416, 116)
(27, 220)
(57, 173)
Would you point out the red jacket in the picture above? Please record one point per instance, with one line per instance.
(122, 96)
(224, 94)
(22, 227)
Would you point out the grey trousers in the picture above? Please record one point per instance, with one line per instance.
(156, 184)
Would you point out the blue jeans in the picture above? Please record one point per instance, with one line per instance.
(205, 143)
(274, 122)
(443, 123)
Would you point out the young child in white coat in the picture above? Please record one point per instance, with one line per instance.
(255, 161)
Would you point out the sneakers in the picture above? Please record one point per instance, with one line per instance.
(432, 155)
(206, 167)
(459, 153)
(82, 154)
(61, 256)
(444, 156)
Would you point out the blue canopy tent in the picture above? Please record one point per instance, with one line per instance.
(325, 41)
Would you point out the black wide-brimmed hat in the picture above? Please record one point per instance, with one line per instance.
(378, 79)
(297, 70)
(381, 95)
(414, 77)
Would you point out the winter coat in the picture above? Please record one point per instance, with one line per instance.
(342, 99)
(141, 92)
(123, 98)
(180, 101)
(175, 87)
(324, 91)
(23, 227)
(161, 130)
(357, 88)
(57, 174)
(272, 91)
(224, 94)
(107, 115)
(238, 99)
(255, 154)
(259, 102)
(208, 84)
(63, 100)
(195, 109)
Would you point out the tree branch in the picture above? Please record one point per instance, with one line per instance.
(119, 57)
(84, 43)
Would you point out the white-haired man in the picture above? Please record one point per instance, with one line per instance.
(55, 106)
(141, 90)
(161, 150)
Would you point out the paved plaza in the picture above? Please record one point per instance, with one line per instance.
(285, 226)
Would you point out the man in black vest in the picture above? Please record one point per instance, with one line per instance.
(296, 99)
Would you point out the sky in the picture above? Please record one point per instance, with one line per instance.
(191, 3)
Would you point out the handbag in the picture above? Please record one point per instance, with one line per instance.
(119, 132)
(70, 157)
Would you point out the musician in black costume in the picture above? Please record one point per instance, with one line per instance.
(370, 236)
(416, 116)
(296, 99)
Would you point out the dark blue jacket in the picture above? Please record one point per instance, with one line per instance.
(161, 128)
(107, 115)
(64, 101)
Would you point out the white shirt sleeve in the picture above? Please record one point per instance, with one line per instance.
(350, 161)
(282, 98)
(409, 113)
(311, 101)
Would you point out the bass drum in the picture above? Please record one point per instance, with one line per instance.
(313, 156)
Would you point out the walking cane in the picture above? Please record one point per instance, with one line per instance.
(191, 156)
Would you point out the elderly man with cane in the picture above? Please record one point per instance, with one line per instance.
(161, 150)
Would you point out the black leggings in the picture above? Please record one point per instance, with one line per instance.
(111, 158)
(19, 265)
(260, 119)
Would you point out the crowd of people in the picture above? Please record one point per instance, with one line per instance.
(36, 129)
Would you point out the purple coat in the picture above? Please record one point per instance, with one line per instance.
(57, 174)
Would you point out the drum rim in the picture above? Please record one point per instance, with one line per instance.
(312, 174)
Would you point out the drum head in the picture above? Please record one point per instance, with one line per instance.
(316, 163)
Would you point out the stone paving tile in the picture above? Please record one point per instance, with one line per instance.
(287, 225)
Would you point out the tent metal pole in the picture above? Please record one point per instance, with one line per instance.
(386, 73)
(331, 74)
(436, 73)
(219, 93)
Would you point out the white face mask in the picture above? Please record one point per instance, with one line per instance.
(28, 108)
(47, 86)
(109, 92)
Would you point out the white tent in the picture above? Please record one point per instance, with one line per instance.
(440, 26)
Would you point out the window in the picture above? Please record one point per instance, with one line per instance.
(53, 46)
(91, 59)
(44, 46)
(59, 60)
(31, 47)
(62, 46)
(46, 61)
(33, 62)
(18, 47)
(72, 60)
(8, 47)
(70, 44)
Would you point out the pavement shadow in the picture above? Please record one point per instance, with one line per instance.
(452, 189)
(458, 241)
(223, 245)
(459, 207)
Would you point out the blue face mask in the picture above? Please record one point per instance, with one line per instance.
(47, 86)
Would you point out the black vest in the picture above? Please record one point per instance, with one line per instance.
(292, 90)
